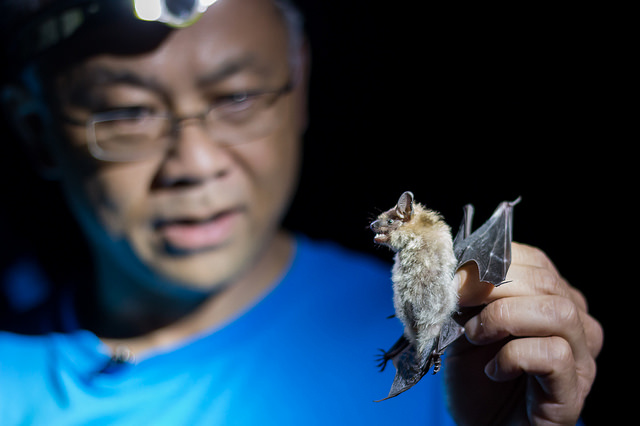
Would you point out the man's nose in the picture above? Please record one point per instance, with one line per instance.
(195, 156)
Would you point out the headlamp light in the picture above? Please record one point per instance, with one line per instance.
(176, 13)
(93, 26)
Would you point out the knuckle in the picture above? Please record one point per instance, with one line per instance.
(510, 353)
(588, 370)
(579, 298)
(534, 255)
(515, 350)
(558, 353)
(491, 323)
(560, 310)
(540, 255)
(546, 281)
(595, 335)
(497, 311)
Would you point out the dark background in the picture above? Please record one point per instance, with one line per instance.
(459, 106)
(478, 106)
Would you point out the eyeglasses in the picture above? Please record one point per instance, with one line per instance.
(133, 134)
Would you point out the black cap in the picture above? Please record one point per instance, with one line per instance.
(62, 32)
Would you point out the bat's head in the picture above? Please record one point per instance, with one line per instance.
(393, 219)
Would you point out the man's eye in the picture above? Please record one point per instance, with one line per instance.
(129, 112)
(234, 103)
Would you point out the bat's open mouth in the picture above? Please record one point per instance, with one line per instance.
(381, 238)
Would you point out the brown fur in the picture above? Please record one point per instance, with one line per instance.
(424, 265)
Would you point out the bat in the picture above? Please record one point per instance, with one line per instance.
(424, 295)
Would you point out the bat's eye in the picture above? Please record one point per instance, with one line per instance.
(389, 221)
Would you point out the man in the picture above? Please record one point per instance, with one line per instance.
(178, 153)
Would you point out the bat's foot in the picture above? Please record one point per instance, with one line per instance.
(383, 359)
(437, 362)
(395, 350)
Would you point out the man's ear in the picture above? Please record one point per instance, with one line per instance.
(29, 120)
(404, 208)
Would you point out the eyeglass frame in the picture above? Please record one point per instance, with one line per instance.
(174, 123)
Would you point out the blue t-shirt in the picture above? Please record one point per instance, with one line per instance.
(303, 355)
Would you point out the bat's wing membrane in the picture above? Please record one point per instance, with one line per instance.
(410, 368)
(490, 245)
(449, 333)
(465, 227)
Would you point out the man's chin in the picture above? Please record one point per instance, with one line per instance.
(204, 269)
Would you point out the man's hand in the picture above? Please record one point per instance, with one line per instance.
(530, 354)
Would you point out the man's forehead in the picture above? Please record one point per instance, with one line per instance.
(104, 71)
(232, 33)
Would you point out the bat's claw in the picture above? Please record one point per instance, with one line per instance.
(437, 362)
(395, 350)
(382, 359)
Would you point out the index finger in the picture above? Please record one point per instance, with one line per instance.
(471, 291)
(524, 254)
(526, 260)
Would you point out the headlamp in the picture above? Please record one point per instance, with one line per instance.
(176, 13)
(92, 26)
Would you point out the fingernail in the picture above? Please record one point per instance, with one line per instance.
(473, 327)
(491, 368)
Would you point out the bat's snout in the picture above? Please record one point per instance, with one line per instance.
(381, 236)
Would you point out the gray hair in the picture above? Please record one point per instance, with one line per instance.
(295, 27)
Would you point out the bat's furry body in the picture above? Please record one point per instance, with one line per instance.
(425, 296)
(424, 293)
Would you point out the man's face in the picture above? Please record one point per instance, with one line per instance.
(200, 212)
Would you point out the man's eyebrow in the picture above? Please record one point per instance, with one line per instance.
(79, 85)
(101, 76)
(229, 68)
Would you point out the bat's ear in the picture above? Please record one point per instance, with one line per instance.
(405, 206)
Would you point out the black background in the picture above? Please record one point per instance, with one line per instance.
(478, 106)
(459, 106)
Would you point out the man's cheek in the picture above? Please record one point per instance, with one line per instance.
(119, 207)
(276, 164)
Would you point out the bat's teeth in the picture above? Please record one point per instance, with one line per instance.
(380, 238)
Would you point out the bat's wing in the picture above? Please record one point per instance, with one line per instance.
(465, 227)
(449, 333)
(490, 245)
(410, 368)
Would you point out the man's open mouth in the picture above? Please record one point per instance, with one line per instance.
(193, 234)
